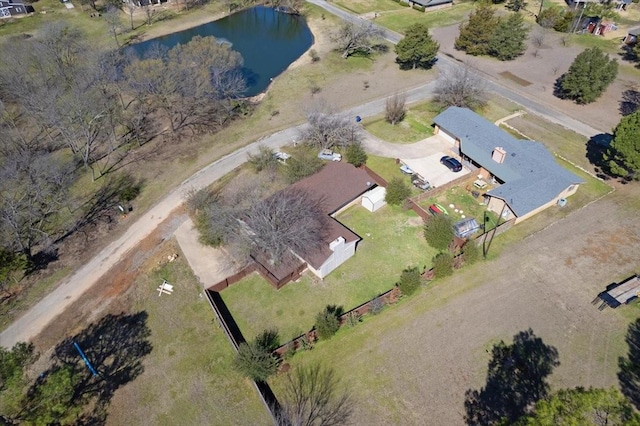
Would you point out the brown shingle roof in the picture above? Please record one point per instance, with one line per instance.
(338, 184)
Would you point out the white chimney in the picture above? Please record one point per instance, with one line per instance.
(498, 155)
(335, 243)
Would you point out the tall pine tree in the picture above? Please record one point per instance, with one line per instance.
(508, 39)
(476, 34)
(588, 77)
(417, 49)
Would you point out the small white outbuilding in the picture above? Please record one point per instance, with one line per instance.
(374, 199)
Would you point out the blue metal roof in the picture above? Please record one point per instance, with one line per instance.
(531, 175)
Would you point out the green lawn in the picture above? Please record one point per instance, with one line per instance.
(462, 200)
(416, 125)
(187, 377)
(402, 19)
(367, 6)
(391, 240)
(389, 169)
(556, 138)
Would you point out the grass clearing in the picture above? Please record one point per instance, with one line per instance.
(464, 202)
(416, 125)
(391, 241)
(188, 377)
(402, 19)
(498, 107)
(556, 138)
(367, 6)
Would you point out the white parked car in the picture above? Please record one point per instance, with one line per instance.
(281, 156)
(327, 154)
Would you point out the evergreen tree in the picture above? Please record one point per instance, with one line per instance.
(586, 407)
(397, 191)
(516, 5)
(588, 77)
(624, 153)
(356, 154)
(417, 49)
(438, 231)
(508, 39)
(476, 34)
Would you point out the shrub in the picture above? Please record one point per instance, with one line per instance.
(376, 306)
(314, 55)
(264, 159)
(442, 265)
(328, 321)
(397, 191)
(356, 155)
(471, 252)
(353, 318)
(438, 231)
(256, 360)
(409, 281)
(302, 165)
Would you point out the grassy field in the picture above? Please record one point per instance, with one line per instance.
(416, 125)
(368, 6)
(463, 201)
(556, 138)
(400, 20)
(391, 240)
(187, 377)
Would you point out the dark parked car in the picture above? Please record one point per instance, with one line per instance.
(453, 164)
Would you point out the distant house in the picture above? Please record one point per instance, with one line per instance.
(632, 37)
(10, 8)
(430, 4)
(527, 176)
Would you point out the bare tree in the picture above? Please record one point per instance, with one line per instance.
(329, 130)
(290, 221)
(196, 98)
(112, 16)
(34, 189)
(395, 108)
(312, 397)
(538, 38)
(358, 38)
(130, 7)
(149, 12)
(461, 86)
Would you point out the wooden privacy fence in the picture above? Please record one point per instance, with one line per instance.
(376, 177)
(234, 335)
(232, 279)
(387, 298)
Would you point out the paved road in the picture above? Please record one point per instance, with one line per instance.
(445, 63)
(35, 320)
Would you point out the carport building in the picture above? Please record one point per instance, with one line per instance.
(528, 177)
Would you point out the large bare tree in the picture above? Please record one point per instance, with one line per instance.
(460, 86)
(362, 38)
(290, 221)
(34, 189)
(327, 129)
(192, 86)
(313, 396)
(395, 110)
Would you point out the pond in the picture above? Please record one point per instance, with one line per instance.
(269, 41)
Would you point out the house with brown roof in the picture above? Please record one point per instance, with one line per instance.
(339, 185)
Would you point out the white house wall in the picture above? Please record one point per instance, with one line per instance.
(341, 254)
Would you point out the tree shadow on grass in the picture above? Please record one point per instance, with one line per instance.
(516, 380)
(114, 346)
(629, 374)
